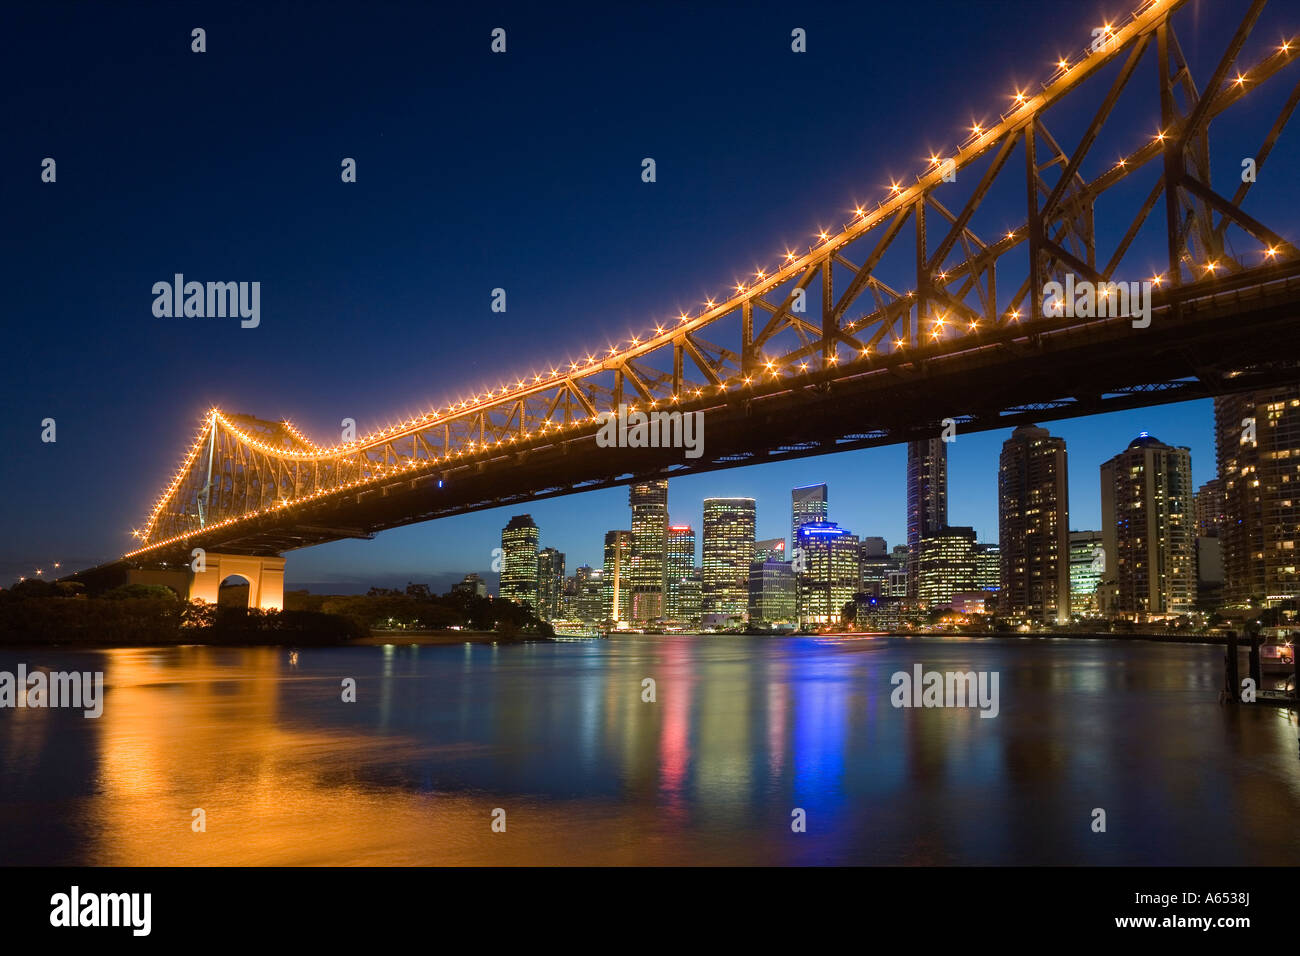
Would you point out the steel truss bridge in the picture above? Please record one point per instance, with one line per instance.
(822, 354)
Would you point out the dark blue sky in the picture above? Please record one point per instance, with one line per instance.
(476, 171)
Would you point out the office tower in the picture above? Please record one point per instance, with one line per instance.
(471, 585)
(690, 599)
(1034, 527)
(946, 565)
(772, 594)
(1257, 439)
(649, 501)
(1209, 508)
(828, 571)
(1087, 569)
(519, 561)
(550, 584)
(590, 601)
(679, 563)
(808, 503)
(988, 567)
(927, 500)
(1149, 529)
(618, 559)
(875, 563)
(770, 548)
(728, 552)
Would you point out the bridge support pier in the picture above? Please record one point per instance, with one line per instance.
(265, 577)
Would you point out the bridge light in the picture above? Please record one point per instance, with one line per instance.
(1062, 64)
(1240, 79)
(1271, 251)
(709, 303)
(789, 255)
(1157, 279)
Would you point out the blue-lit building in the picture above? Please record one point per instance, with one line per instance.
(827, 568)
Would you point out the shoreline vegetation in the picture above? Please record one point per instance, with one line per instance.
(42, 613)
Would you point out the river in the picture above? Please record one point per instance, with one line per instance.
(746, 737)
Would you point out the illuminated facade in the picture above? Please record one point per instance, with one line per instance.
(680, 561)
(649, 502)
(519, 540)
(589, 599)
(830, 572)
(1260, 532)
(550, 584)
(927, 501)
(728, 553)
(1087, 570)
(773, 598)
(946, 565)
(1148, 530)
(614, 581)
(1034, 527)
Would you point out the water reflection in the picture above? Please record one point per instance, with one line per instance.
(742, 732)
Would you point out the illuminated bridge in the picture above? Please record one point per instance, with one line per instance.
(822, 352)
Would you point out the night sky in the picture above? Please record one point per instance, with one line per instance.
(477, 171)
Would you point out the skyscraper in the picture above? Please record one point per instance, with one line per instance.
(927, 499)
(772, 595)
(1149, 529)
(649, 501)
(1087, 569)
(680, 566)
(770, 548)
(1209, 500)
(828, 571)
(728, 552)
(988, 567)
(808, 503)
(614, 581)
(876, 565)
(519, 540)
(947, 565)
(1257, 440)
(1034, 526)
(550, 584)
(590, 600)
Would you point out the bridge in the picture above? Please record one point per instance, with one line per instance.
(820, 353)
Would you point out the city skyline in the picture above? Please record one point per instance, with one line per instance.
(972, 493)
